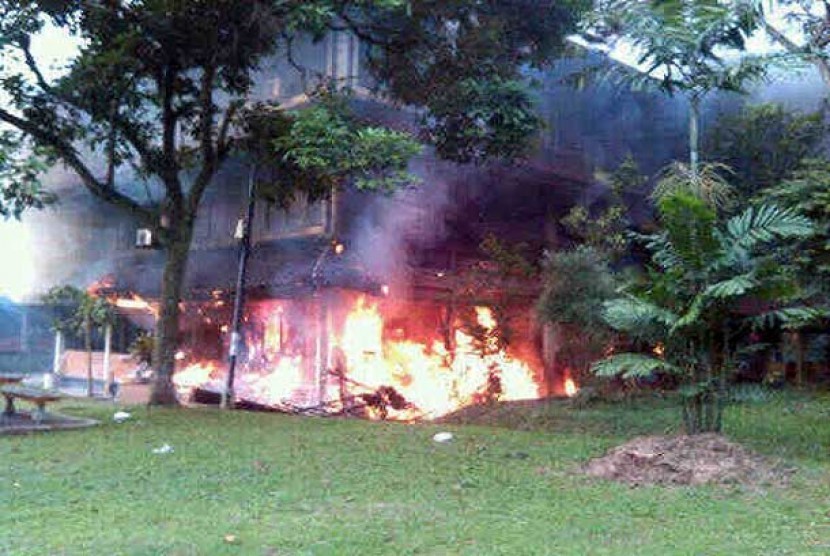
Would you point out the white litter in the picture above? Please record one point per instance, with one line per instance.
(121, 416)
(442, 437)
(166, 449)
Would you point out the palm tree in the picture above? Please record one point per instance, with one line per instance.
(79, 311)
(707, 183)
(694, 308)
(680, 46)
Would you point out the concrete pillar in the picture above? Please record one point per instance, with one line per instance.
(107, 351)
(24, 330)
(49, 378)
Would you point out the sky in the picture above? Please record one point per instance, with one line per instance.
(17, 275)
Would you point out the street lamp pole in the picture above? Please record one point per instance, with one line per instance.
(239, 299)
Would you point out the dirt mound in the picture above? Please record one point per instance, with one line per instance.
(685, 460)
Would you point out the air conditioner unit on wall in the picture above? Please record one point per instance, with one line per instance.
(144, 238)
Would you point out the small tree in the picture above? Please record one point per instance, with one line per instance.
(694, 307)
(78, 311)
(606, 230)
(576, 284)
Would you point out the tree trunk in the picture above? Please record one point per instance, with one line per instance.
(694, 135)
(703, 409)
(88, 347)
(703, 412)
(167, 328)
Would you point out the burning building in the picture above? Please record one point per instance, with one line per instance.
(346, 312)
(370, 303)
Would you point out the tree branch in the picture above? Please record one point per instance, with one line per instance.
(222, 142)
(357, 29)
(169, 121)
(821, 63)
(67, 154)
(33, 67)
(206, 144)
(781, 38)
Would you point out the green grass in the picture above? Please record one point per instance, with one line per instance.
(288, 485)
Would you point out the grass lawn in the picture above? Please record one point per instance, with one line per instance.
(289, 485)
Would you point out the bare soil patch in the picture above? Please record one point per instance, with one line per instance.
(686, 460)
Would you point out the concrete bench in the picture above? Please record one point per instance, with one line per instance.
(33, 395)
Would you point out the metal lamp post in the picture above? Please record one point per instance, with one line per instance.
(239, 299)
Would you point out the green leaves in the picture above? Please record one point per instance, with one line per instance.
(638, 317)
(483, 118)
(731, 287)
(678, 42)
(689, 226)
(576, 284)
(632, 365)
(718, 281)
(76, 309)
(789, 317)
(706, 183)
(310, 151)
(20, 172)
(763, 224)
(327, 141)
(764, 144)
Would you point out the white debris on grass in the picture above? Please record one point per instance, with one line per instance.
(121, 416)
(165, 449)
(442, 437)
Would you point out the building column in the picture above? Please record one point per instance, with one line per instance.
(107, 351)
(49, 378)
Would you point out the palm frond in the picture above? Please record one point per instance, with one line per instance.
(789, 317)
(663, 252)
(632, 365)
(636, 316)
(692, 315)
(732, 287)
(758, 225)
(707, 184)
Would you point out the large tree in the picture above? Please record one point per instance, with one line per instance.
(157, 86)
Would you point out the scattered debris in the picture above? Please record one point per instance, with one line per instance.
(383, 399)
(164, 449)
(442, 437)
(685, 460)
(121, 416)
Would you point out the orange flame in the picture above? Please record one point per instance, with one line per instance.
(361, 359)
(136, 302)
(570, 387)
(192, 376)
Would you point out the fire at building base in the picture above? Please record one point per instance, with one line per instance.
(347, 353)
